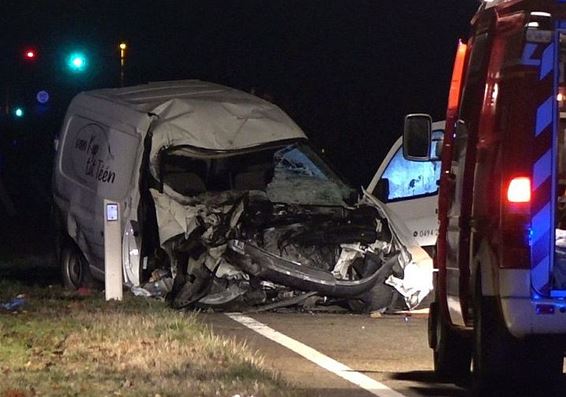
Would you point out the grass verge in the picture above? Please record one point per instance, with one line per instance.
(64, 344)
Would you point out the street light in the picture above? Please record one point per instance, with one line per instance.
(123, 47)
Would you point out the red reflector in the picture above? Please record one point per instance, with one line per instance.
(544, 309)
(519, 190)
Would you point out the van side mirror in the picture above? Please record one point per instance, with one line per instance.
(436, 145)
(417, 137)
(381, 191)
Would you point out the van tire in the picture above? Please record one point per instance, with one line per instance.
(493, 345)
(496, 351)
(452, 350)
(499, 355)
(74, 268)
(529, 366)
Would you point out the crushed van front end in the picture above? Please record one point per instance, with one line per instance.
(271, 227)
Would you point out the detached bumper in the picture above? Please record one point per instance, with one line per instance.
(264, 265)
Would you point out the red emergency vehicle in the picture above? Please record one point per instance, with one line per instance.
(500, 280)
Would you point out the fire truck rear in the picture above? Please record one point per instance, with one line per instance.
(500, 282)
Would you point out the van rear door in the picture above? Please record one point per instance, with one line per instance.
(558, 273)
(548, 207)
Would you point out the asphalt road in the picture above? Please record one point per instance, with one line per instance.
(392, 350)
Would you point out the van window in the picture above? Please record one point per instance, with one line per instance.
(411, 179)
(99, 158)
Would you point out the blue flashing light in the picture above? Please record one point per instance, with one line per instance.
(42, 97)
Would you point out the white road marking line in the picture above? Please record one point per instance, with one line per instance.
(374, 387)
(415, 311)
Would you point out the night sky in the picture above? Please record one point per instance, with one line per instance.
(346, 71)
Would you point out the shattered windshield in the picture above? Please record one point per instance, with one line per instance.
(292, 174)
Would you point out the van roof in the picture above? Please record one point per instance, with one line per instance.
(146, 97)
(203, 114)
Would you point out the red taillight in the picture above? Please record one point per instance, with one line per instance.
(519, 190)
(516, 224)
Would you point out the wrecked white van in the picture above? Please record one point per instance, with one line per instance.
(223, 204)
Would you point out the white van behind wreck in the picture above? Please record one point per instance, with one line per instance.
(221, 194)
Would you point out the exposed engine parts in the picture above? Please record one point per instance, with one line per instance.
(244, 252)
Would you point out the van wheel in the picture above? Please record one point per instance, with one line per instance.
(74, 268)
(452, 351)
(497, 354)
(529, 366)
(493, 352)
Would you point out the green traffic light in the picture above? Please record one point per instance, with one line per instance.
(77, 62)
